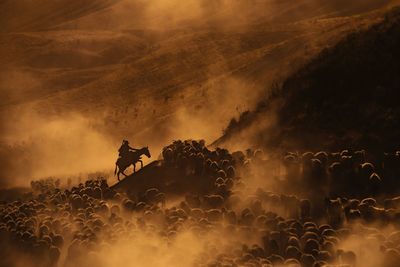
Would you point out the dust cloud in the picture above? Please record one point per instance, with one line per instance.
(35, 146)
(217, 102)
(106, 46)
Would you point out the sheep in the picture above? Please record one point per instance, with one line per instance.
(293, 252)
(213, 201)
(305, 209)
(307, 260)
(374, 184)
(197, 213)
(276, 260)
(392, 203)
(247, 217)
(193, 200)
(167, 154)
(285, 224)
(231, 172)
(238, 157)
(230, 217)
(334, 210)
(310, 245)
(366, 170)
(322, 156)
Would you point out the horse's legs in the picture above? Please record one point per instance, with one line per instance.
(134, 167)
(118, 175)
(124, 173)
(141, 163)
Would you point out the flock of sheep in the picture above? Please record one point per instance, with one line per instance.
(309, 210)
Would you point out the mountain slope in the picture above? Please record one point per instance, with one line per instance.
(345, 97)
(68, 70)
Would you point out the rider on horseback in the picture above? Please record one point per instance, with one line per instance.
(125, 149)
(129, 156)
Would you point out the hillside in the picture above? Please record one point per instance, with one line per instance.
(65, 66)
(346, 97)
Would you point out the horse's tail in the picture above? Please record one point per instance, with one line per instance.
(116, 166)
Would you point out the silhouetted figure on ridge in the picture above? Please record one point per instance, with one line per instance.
(129, 156)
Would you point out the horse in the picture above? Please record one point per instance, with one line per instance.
(132, 158)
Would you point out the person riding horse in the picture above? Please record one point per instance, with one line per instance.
(129, 156)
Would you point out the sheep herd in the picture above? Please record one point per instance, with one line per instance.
(248, 209)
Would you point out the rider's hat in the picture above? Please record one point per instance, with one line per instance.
(125, 141)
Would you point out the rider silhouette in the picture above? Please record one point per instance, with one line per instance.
(125, 149)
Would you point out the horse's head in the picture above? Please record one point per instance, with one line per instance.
(146, 151)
